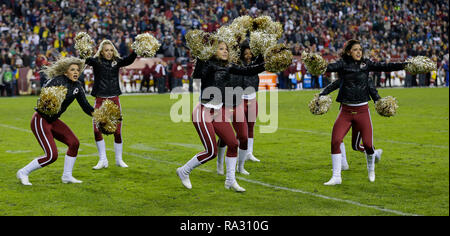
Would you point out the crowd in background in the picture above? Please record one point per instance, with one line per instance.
(34, 32)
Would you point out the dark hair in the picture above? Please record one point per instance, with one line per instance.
(245, 45)
(347, 47)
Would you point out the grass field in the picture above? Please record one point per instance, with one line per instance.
(412, 177)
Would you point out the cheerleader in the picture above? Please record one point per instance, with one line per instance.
(355, 90)
(106, 64)
(46, 128)
(212, 116)
(245, 111)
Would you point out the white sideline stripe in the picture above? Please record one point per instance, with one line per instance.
(256, 182)
(274, 186)
(378, 140)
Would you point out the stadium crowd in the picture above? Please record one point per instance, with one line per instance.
(34, 32)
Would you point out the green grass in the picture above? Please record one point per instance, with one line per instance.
(412, 177)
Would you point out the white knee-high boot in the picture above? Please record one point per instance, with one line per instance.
(371, 166)
(184, 171)
(118, 149)
(220, 159)
(242, 156)
(337, 167)
(23, 173)
(230, 181)
(103, 160)
(67, 177)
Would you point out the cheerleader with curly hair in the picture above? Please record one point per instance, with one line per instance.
(47, 127)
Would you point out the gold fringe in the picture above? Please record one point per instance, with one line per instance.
(314, 63)
(145, 45)
(107, 117)
(278, 58)
(51, 99)
(320, 105)
(387, 106)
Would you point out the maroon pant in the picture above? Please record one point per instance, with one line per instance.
(208, 123)
(239, 123)
(357, 118)
(46, 132)
(251, 112)
(118, 134)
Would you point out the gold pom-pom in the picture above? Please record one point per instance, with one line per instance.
(145, 45)
(314, 63)
(266, 25)
(202, 44)
(277, 58)
(386, 106)
(320, 104)
(242, 24)
(84, 45)
(107, 117)
(260, 42)
(50, 100)
(420, 65)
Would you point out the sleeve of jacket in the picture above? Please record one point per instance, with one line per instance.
(128, 60)
(386, 67)
(373, 92)
(331, 87)
(199, 69)
(82, 100)
(91, 61)
(56, 81)
(246, 70)
(335, 67)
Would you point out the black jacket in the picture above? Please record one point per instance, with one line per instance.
(75, 90)
(250, 83)
(353, 81)
(106, 75)
(216, 77)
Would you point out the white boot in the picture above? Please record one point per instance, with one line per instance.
(371, 166)
(337, 166)
(103, 161)
(118, 147)
(378, 153)
(250, 155)
(67, 177)
(220, 160)
(230, 181)
(242, 156)
(344, 165)
(23, 173)
(184, 171)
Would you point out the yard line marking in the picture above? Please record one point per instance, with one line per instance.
(274, 186)
(12, 127)
(379, 140)
(253, 181)
(188, 145)
(328, 198)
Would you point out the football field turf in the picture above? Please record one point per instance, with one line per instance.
(412, 177)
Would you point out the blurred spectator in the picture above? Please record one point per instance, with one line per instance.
(396, 29)
(159, 73)
(146, 74)
(177, 74)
